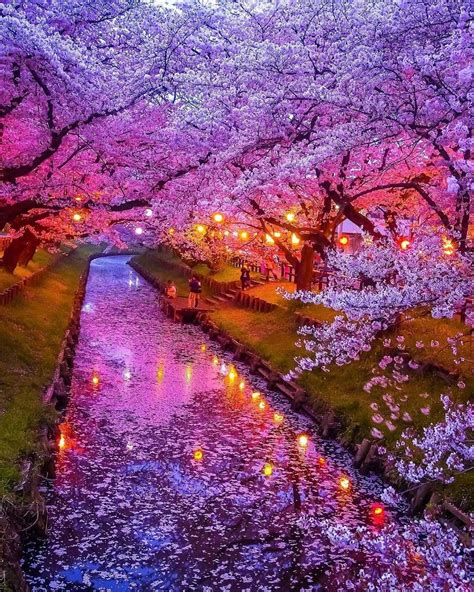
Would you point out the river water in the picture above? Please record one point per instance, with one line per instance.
(172, 476)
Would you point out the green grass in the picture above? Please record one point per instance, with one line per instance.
(40, 259)
(32, 327)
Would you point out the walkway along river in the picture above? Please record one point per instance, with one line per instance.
(172, 475)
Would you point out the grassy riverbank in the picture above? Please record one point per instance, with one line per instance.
(32, 327)
(273, 336)
(41, 259)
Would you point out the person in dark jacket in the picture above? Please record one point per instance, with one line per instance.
(245, 276)
(195, 289)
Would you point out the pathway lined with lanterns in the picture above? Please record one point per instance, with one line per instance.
(177, 471)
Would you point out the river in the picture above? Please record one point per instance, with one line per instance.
(174, 475)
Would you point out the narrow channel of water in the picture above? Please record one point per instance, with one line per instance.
(172, 476)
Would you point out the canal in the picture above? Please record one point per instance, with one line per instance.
(178, 471)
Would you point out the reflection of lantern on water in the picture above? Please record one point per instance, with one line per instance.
(160, 373)
(241, 385)
(95, 380)
(255, 395)
(278, 418)
(198, 454)
(303, 441)
(232, 374)
(268, 469)
(262, 405)
(215, 360)
(62, 442)
(344, 483)
(321, 461)
(203, 347)
(188, 373)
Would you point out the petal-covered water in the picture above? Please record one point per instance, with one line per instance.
(178, 471)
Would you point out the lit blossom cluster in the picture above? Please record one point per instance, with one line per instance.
(442, 450)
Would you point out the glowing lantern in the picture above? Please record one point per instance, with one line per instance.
(62, 442)
(277, 234)
(295, 240)
(198, 454)
(226, 233)
(138, 230)
(241, 385)
(448, 247)
(255, 395)
(95, 380)
(78, 198)
(203, 347)
(218, 217)
(77, 217)
(269, 239)
(290, 217)
(343, 240)
(244, 235)
(160, 373)
(268, 469)
(377, 510)
(232, 374)
(171, 231)
(303, 441)
(200, 228)
(321, 461)
(149, 212)
(278, 418)
(344, 483)
(404, 244)
(215, 360)
(262, 405)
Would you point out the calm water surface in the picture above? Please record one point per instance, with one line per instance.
(171, 476)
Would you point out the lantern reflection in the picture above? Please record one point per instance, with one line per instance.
(255, 395)
(267, 469)
(188, 374)
(95, 379)
(198, 454)
(344, 483)
(262, 405)
(241, 385)
(160, 373)
(215, 361)
(278, 418)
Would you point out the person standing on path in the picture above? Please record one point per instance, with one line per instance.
(245, 276)
(195, 289)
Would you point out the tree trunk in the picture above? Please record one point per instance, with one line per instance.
(304, 270)
(28, 252)
(16, 248)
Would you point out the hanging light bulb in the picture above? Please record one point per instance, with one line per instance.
(218, 217)
(290, 216)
